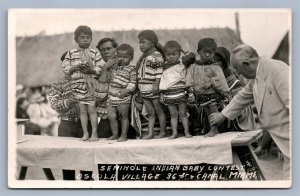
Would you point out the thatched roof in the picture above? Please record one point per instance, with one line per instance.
(38, 57)
(282, 52)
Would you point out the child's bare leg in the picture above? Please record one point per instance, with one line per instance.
(84, 121)
(123, 112)
(161, 116)
(213, 129)
(94, 121)
(112, 116)
(174, 120)
(151, 118)
(184, 119)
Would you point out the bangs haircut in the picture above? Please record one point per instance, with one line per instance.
(172, 45)
(126, 47)
(207, 43)
(82, 29)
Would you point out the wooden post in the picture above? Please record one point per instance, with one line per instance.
(237, 24)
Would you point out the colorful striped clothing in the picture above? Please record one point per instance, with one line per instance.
(150, 69)
(121, 77)
(59, 93)
(101, 94)
(83, 85)
(206, 79)
(101, 88)
(172, 84)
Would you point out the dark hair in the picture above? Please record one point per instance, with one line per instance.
(224, 55)
(82, 29)
(151, 36)
(207, 43)
(107, 39)
(127, 48)
(20, 101)
(172, 45)
(62, 58)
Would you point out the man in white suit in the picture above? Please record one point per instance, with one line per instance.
(270, 91)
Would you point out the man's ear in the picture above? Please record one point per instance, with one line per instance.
(246, 63)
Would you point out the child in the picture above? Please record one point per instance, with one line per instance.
(82, 64)
(173, 87)
(247, 120)
(149, 73)
(122, 83)
(206, 80)
(222, 58)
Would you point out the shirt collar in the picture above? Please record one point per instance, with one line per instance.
(258, 66)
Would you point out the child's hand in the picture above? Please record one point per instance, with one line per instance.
(123, 93)
(75, 68)
(191, 98)
(84, 64)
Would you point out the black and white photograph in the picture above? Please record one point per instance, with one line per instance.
(149, 98)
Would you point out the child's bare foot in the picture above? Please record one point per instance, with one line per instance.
(173, 136)
(113, 137)
(94, 138)
(85, 137)
(188, 135)
(211, 133)
(162, 134)
(148, 137)
(122, 139)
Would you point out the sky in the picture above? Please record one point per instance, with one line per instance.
(261, 28)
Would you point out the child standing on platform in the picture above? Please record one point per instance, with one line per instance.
(82, 64)
(150, 68)
(122, 83)
(173, 87)
(206, 81)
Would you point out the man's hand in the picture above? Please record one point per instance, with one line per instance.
(87, 70)
(110, 63)
(216, 118)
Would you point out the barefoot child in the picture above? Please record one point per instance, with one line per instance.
(122, 83)
(206, 81)
(149, 73)
(82, 64)
(173, 87)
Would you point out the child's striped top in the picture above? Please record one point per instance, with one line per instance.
(151, 68)
(122, 77)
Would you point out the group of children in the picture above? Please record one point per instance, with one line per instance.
(163, 75)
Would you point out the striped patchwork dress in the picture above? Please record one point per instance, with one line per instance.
(150, 69)
(172, 84)
(59, 93)
(121, 77)
(207, 82)
(83, 85)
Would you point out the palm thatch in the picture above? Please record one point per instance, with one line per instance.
(282, 53)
